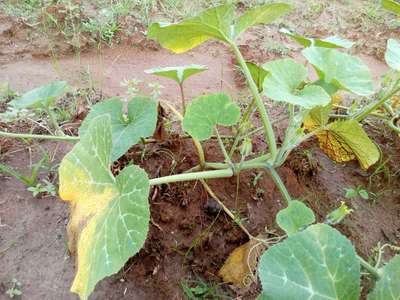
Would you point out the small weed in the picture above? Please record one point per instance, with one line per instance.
(15, 289)
(198, 289)
(359, 191)
(44, 187)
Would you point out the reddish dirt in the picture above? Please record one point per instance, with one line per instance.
(182, 244)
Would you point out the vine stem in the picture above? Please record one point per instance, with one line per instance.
(64, 138)
(268, 130)
(372, 270)
(279, 183)
(182, 98)
(53, 120)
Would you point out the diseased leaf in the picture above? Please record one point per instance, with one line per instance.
(140, 122)
(263, 14)
(41, 97)
(205, 112)
(214, 23)
(317, 117)
(392, 5)
(388, 286)
(392, 55)
(284, 84)
(317, 263)
(109, 216)
(179, 74)
(240, 266)
(258, 74)
(346, 140)
(343, 70)
(295, 217)
(329, 42)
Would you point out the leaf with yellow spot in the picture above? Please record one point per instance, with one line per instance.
(109, 215)
(346, 140)
(240, 266)
(317, 117)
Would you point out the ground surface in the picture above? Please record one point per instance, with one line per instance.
(189, 239)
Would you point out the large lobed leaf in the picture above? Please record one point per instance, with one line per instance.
(42, 96)
(109, 216)
(388, 286)
(205, 112)
(214, 23)
(178, 74)
(317, 263)
(329, 42)
(284, 84)
(295, 217)
(140, 122)
(392, 5)
(343, 70)
(392, 55)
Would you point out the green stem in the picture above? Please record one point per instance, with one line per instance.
(221, 145)
(279, 183)
(182, 98)
(369, 268)
(64, 138)
(225, 173)
(268, 130)
(53, 120)
(361, 115)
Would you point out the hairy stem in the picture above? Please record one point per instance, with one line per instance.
(64, 138)
(372, 270)
(268, 130)
(279, 183)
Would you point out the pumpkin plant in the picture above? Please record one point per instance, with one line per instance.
(110, 214)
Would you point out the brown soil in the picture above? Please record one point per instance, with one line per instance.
(189, 238)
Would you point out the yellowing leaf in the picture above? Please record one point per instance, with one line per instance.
(344, 141)
(109, 216)
(317, 117)
(239, 267)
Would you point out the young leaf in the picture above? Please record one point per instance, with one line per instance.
(109, 216)
(258, 74)
(343, 70)
(392, 55)
(317, 263)
(214, 23)
(205, 112)
(264, 14)
(179, 74)
(336, 216)
(295, 217)
(329, 42)
(346, 140)
(283, 83)
(392, 5)
(41, 97)
(388, 286)
(126, 131)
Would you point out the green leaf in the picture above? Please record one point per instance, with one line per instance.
(109, 216)
(329, 42)
(258, 74)
(295, 217)
(392, 5)
(336, 216)
(343, 70)
(388, 286)
(264, 14)
(41, 97)
(179, 74)
(205, 112)
(284, 84)
(392, 55)
(214, 23)
(317, 263)
(140, 122)
(346, 140)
